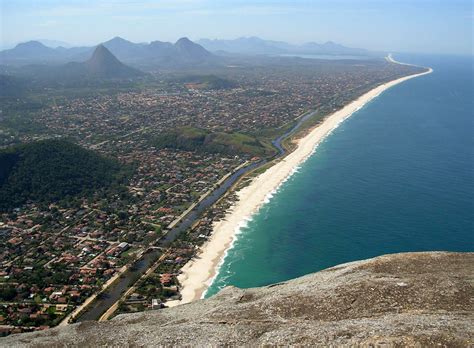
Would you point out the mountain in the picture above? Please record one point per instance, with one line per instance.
(28, 52)
(244, 45)
(330, 48)
(52, 170)
(399, 300)
(30, 48)
(182, 53)
(255, 45)
(35, 52)
(54, 43)
(160, 49)
(103, 64)
(190, 51)
(124, 49)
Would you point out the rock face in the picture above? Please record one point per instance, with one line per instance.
(414, 299)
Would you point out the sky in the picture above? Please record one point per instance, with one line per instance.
(428, 26)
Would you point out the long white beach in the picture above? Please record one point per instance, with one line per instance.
(197, 274)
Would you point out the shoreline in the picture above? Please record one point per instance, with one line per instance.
(198, 274)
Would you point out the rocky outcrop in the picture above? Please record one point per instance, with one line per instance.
(414, 299)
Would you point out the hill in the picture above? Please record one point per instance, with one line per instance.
(190, 51)
(201, 140)
(104, 64)
(52, 170)
(11, 86)
(28, 52)
(399, 300)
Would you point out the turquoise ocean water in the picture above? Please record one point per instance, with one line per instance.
(396, 176)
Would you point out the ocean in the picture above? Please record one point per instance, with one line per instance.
(396, 176)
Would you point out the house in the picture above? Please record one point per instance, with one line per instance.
(61, 307)
(166, 279)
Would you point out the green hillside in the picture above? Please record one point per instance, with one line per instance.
(201, 140)
(52, 170)
(207, 81)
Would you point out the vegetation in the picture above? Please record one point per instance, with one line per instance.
(11, 86)
(191, 138)
(207, 81)
(53, 170)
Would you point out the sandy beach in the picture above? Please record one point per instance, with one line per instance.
(198, 274)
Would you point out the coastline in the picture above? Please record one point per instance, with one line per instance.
(199, 273)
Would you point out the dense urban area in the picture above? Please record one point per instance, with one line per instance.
(161, 144)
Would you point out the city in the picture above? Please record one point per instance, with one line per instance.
(88, 244)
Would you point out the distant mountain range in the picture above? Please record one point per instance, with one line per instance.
(159, 54)
(255, 45)
(34, 52)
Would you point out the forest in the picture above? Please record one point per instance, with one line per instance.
(53, 170)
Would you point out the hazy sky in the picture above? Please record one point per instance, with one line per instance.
(391, 25)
